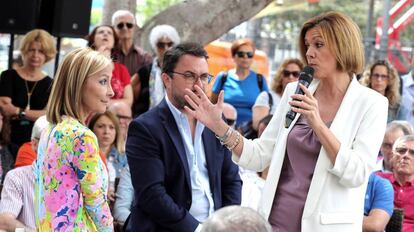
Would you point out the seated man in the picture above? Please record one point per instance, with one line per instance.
(395, 129)
(236, 218)
(17, 200)
(402, 178)
(378, 205)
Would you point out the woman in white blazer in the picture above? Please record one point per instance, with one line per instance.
(346, 120)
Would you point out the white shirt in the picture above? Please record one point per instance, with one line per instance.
(202, 201)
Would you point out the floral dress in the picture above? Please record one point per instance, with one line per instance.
(71, 180)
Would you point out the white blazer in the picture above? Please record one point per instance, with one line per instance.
(335, 199)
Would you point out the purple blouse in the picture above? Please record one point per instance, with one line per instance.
(302, 152)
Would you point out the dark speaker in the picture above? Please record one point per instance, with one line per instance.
(18, 16)
(65, 18)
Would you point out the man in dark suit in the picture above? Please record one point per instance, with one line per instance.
(179, 170)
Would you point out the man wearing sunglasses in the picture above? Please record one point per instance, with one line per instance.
(133, 57)
(402, 178)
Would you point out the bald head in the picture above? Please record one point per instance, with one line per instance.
(229, 112)
(124, 114)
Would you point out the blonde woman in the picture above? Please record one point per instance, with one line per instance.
(71, 178)
(382, 77)
(24, 91)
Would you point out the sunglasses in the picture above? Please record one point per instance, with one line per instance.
(162, 45)
(287, 73)
(379, 76)
(241, 54)
(122, 25)
(403, 151)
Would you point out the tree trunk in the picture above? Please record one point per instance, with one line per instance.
(110, 6)
(203, 21)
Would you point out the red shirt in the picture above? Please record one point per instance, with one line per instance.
(403, 198)
(25, 155)
(120, 79)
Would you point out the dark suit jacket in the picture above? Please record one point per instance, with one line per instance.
(160, 173)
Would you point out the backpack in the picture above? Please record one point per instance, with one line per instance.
(246, 128)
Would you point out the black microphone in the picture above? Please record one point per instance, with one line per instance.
(305, 78)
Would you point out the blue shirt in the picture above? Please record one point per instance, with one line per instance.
(202, 200)
(241, 94)
(379, 195)
(407, 98)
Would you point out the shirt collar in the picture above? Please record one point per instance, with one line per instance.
(178, 115)
(394, 181)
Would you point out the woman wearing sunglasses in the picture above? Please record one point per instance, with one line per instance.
(241, 86)
(382, 77)
(151, 89)
(287, 72)
(103, 39)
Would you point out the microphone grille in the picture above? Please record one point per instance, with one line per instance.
(309, 70)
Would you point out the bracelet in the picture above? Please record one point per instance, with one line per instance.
(236, 142)
(225, 136)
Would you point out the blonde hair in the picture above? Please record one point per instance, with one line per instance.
(66, 95)
(392, 91)
(277, 80)
(343, 38)
(44, 38)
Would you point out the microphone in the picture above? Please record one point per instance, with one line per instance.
(305, 78)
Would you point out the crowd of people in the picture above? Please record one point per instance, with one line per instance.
(122, 140)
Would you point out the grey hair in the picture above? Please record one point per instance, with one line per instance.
(236, 218)
(160, 31)
(404, 126)
(401, 140)
(231, 107)
(120, 13)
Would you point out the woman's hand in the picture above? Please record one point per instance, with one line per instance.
(307, 105)
(201, 108)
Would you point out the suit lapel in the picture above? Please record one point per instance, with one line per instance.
(170, 125)
(210, 152)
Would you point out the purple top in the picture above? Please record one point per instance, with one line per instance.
(302, 152)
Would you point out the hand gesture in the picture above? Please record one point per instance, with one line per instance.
(203, 110)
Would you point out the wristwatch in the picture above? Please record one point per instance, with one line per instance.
(22, 114)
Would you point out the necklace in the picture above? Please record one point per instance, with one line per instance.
(29, 93)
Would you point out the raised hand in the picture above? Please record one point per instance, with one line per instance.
(204, 111)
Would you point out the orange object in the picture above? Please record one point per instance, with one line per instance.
(25, 155)
(220, 59)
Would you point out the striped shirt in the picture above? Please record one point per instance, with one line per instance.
(17, 196)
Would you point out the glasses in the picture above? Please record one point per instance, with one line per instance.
(403, 151)
(122, 25)
(230, 121)
(241, 54)
(123, 117)
(162, 45)
(379, 76)
(192, 78)
(287, 73)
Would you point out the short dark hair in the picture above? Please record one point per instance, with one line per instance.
(266, 119)
(173, 55)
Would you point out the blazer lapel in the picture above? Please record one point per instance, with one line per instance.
(170, 125)
(323, 162)
(210, 152)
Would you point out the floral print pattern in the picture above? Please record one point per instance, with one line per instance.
(71, 180)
